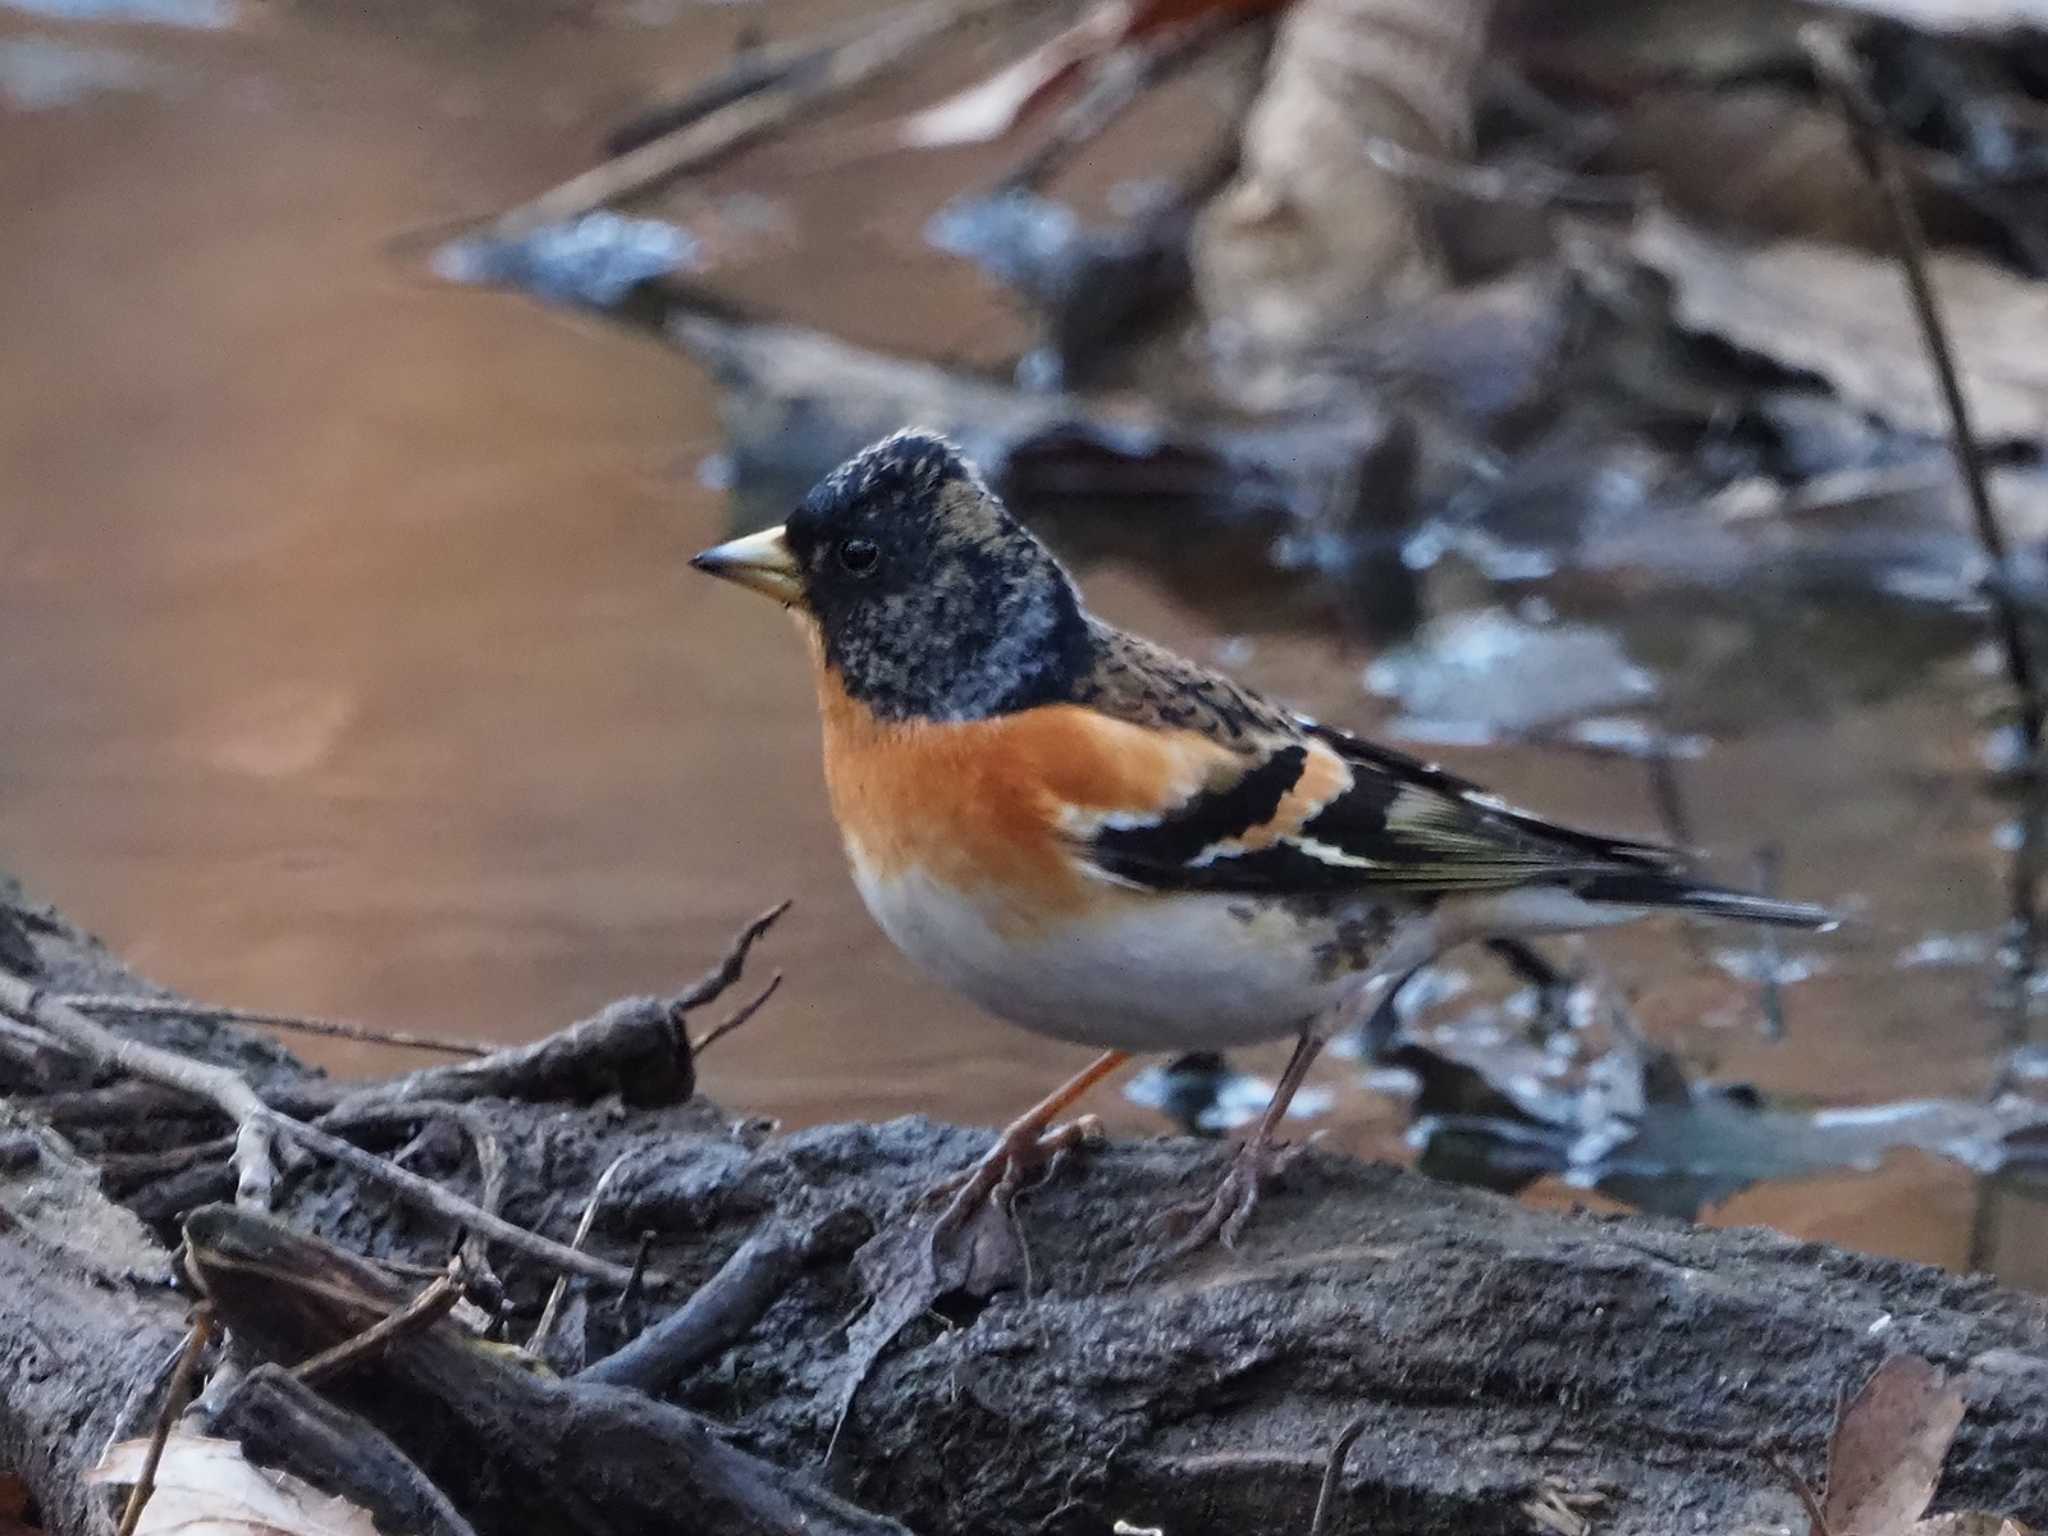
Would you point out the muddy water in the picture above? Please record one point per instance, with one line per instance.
(350, 665)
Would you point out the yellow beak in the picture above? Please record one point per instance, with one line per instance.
(762, 561)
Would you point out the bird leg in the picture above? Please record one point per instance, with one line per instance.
(1028, 1144)
(1262, 1156)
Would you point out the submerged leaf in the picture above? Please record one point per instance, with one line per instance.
(1843, 314)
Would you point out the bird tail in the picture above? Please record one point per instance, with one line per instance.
(1669, 888)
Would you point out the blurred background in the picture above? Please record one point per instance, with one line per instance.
(1532, 386)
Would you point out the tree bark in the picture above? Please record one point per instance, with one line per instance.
(1495, 1352)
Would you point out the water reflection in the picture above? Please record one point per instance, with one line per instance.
(351, 665)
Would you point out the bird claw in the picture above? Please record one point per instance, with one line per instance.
(1001, 1175)
(1221, 1218)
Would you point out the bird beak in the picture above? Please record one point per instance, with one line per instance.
(763, 561)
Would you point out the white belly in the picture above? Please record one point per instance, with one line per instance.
(1180, 973)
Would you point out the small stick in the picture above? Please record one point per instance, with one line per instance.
(176, 1396)
(432, 1304)
(739, 1016)
(339, 1029)
(1333, 1473)
(546, 1325)
(1839, 70)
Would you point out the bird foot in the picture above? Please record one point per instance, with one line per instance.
(1022, 1156)
(1222, 1217)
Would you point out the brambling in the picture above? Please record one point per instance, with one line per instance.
(1101, 841)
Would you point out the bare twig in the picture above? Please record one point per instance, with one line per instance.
(255, 1128)
(1838, 68)
(1333, 1473)
(338, 1029)
(490, 1159)
(722, 975)
(737, 1017)
(772, 102)
(432, 1304)
(176, 1395)
(258, 1126)
(538, 1343)
(1797, 1484)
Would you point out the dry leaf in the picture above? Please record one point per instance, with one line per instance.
(1763, 159)
(1971, 1525)
(1886, 1453)
(1844, 315)
(206, 1487)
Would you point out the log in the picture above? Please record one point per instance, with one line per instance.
(1497, 1354)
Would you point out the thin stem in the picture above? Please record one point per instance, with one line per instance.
(339, 1029)
(1843, 75)
(176, 1396)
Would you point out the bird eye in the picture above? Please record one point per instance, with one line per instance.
(859, 556)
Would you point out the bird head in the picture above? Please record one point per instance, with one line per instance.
(930, 600)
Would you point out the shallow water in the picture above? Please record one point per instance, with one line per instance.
(351, 666)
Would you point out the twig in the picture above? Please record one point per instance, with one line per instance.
(737, 1017)
(258, 1125)
(176, 1395)
(1333, 1473)
(432, 1304)
(1839, 70)
(490, 1159)
(339, 1029)
(538, 1343)
(722, 975)
(1797, 1484)
(638, 1273)
(255, 1128)
(774, 101)
(721, 1310)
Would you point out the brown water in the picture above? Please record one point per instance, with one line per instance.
(350, 664)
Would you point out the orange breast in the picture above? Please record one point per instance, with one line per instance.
(987, 806)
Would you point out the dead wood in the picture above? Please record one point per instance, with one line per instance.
(1497, 1355)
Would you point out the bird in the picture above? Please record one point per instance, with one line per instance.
(1102, 841)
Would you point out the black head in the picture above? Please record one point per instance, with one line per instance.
(932, 601)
